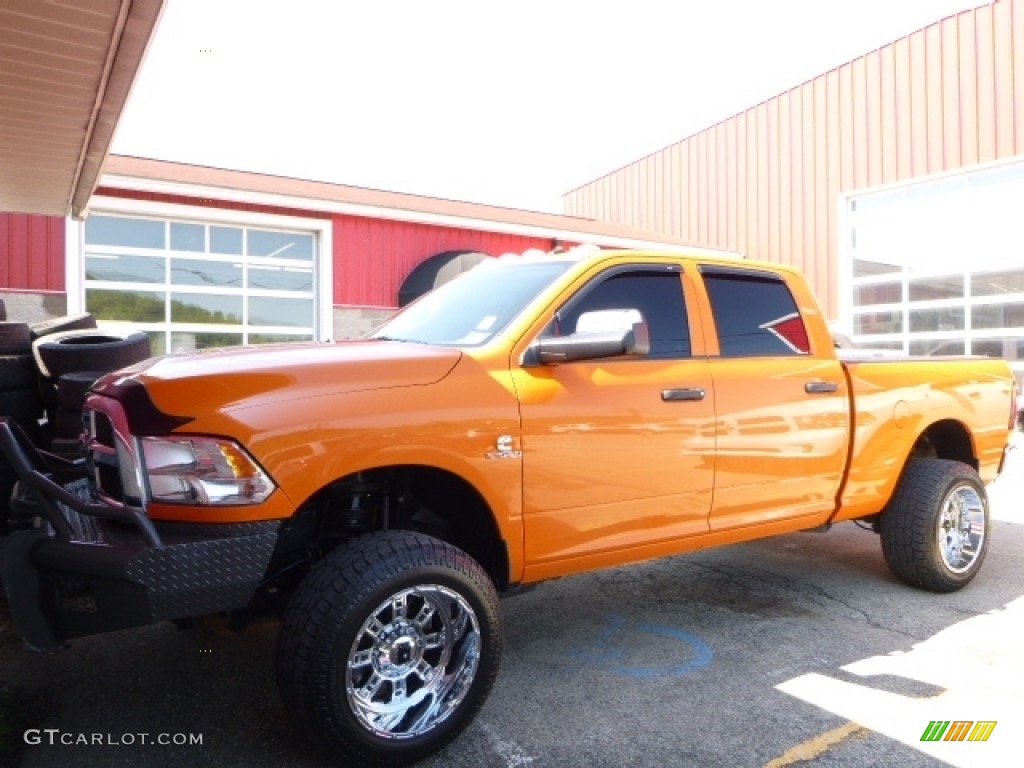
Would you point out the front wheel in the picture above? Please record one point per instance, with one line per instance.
(935, 527)
(389, 648)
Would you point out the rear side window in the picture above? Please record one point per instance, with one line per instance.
(755, 316)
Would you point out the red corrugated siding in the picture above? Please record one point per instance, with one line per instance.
(373, 256)
(32, 252)
(767, 181)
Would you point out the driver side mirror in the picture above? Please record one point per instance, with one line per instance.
(599, 334)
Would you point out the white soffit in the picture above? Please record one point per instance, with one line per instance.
(66, 69)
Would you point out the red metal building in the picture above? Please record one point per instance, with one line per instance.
(201, 256)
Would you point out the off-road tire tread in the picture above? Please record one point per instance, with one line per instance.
(326, 599)
(907, 524)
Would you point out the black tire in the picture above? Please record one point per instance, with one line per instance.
(17, 372)
(73, 387)
(21, 404)
(445, 594)
(24, 407)
(15, 338)
(65, 423)
(935, 528)
(80, 322)
(47, 390)
(74, 351)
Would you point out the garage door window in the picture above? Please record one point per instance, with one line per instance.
(935, 266)
(192, 285)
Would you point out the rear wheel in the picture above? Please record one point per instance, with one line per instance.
(935, 528)
(389, 648)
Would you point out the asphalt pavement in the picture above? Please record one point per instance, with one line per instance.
(798, 650)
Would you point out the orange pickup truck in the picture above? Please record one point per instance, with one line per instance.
(532, 419)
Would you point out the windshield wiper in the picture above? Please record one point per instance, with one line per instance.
(394, 338)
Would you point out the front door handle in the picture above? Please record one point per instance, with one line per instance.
(820, 387)
(686, 393)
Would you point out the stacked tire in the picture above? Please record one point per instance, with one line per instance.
(20, 401)
(19, 396)
(70, 356)
(46, 369)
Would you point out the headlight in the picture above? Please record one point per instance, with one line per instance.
(202, 470)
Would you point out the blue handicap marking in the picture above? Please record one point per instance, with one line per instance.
(610, 647)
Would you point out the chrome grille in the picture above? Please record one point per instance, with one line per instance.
(103, 429)
(108, 446)
(104, 470)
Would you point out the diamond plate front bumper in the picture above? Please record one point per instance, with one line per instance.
(79, 567)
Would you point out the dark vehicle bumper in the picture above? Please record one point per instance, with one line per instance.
(75, 567)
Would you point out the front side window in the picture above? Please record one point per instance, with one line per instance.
(654, 297)
(755, 316)
(192, 285)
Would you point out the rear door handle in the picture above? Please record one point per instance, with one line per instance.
(820, 387)
(686, 393)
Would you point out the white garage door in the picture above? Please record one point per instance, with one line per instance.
(194, 284)
(937, 267)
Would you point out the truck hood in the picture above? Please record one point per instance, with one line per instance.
(238, 377)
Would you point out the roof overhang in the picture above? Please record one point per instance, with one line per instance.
(66, 69)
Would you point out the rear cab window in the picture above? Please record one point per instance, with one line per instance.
(754, 313)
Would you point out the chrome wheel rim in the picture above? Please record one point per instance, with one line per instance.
(412, 662)
(961, 528)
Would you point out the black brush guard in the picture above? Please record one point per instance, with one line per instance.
(77, 566)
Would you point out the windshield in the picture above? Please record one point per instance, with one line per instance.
(475, 307)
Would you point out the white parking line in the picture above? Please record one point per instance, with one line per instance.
(980, 664)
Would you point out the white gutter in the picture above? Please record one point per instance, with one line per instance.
(311, 204)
